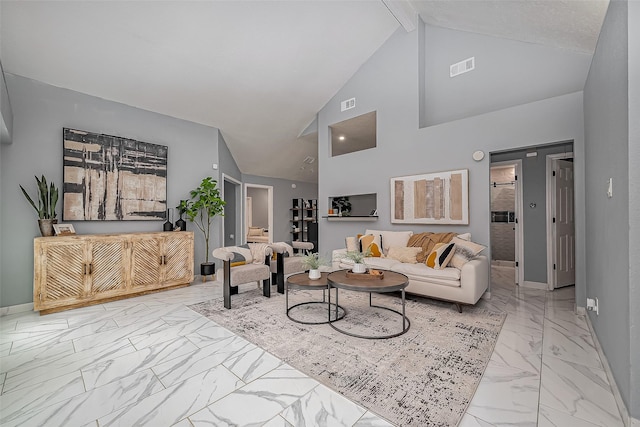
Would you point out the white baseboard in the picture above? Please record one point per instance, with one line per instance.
(486, 295)
(535, 285)
(13, 309)
(582, 311)
(626, 417)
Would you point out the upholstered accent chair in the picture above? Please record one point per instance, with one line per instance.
(286, 261)
(239, 267)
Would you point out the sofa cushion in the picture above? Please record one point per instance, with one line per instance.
(391, 238)
(440, 255)
(427, 241)
(465, 252)
(424, 273)
(403, 254)
(371, 242)
(373, 262)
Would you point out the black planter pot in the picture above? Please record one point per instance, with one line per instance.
(181, 224)
(207, 269)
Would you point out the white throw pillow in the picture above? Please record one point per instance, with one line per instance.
(404, 254)
(465, 252)
(392, 238)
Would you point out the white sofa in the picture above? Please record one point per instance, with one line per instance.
(464, 286)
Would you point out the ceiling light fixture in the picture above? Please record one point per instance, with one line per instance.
(341, 137)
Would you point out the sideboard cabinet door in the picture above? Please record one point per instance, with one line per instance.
(178, 259)
(107, 267)
(146, 261)
(60, 274)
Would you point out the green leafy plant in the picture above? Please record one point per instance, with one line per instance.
(357, 256)
(342, 204)
(204, 205)
(47, 199)
(314, 261)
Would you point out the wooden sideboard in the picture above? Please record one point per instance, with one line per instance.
(79, 270)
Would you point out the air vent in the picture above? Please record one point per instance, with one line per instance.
(348, 104)
(308, 160)
(462, 67)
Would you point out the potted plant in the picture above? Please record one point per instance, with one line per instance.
(204, 205)
(313, 262)
(358, 260)
(47, 201)
(342, 205)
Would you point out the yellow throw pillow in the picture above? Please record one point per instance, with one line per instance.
(404, 254)
(371, 243)
(441, 255)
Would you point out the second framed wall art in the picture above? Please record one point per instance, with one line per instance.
(431, 198)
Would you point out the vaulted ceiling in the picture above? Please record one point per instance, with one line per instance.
(257, 70)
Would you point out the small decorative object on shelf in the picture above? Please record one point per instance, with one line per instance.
(64, 229)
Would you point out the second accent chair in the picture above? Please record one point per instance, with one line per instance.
(286, 263)
(239, 267)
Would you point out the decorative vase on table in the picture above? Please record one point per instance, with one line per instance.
(359, 268)
(181, 224)
(314, 274)
(46, 226)
(168, 226)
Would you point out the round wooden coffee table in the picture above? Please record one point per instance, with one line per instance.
(391, 282)
(302, 281)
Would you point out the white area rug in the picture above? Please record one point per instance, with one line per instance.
(425, 377)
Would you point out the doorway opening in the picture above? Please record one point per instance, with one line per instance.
(232, 195)
(507, 260)
(258, 213)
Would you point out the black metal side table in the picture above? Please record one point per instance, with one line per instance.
(302, 281)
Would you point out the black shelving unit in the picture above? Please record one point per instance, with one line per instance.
(304, 221)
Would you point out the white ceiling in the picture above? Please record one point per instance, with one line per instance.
(257, 70)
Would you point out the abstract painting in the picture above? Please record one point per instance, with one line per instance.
(111, 178)
(434, 198)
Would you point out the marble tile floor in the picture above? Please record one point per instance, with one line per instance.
(150, 361)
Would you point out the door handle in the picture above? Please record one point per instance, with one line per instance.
(91, 268)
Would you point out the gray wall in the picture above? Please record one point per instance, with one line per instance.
(260, 206)
(6, 114)
(634, 206)
(507, 73)
(283, 194)
(388, 82)
(611, 261)
(6, 136)
(535, 219)
(40, 112)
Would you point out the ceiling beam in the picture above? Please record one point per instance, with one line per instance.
(404, 13)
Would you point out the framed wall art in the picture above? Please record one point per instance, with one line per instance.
(432, 198)
(109, 178)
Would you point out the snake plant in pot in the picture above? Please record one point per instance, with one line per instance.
(204, 205)
(46, 208)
